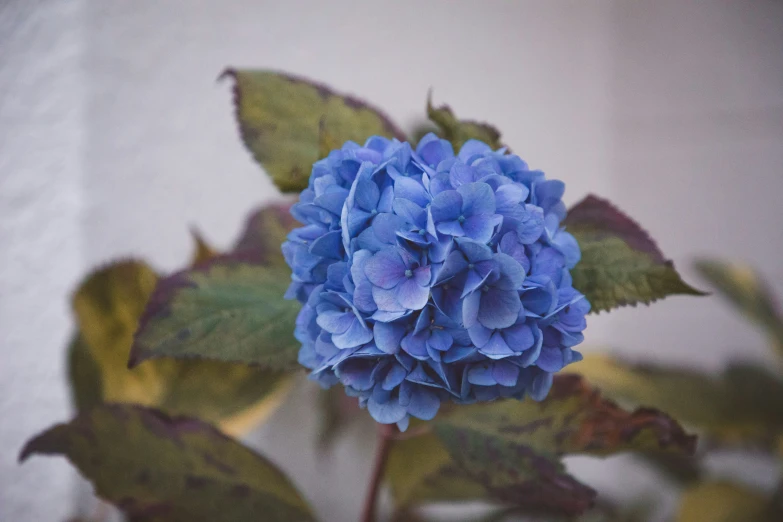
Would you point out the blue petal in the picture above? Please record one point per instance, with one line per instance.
(505, 373)
(519, 337)
(423, 404)
(395, 376)
(367, 195)
(440, 340)
(550, 359)
(407, 188)
(496, 347)
(498, 308)
(481, 227)
(473, 148)
(388, 336)
(540, 386)
(415, 345)
(356, 335)
(335, 321)
(446, 206)
(478, 198)
(481, 375)
(329, 245)
(387, 413)
(470, 309)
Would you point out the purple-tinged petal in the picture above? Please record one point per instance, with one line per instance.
(422, 275)
(385, 269)
(412, 296)
(386, 300)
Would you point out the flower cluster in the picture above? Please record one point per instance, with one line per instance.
(427, 276)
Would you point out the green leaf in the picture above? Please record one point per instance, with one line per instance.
(160, 468)
(108, 305)
(459, 131)
(511, 449)
(228, 310)
(282, 119)
(621, 265)
(744, 288)
(744, 406)
(726, 502)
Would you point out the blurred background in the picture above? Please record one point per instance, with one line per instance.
(115, 138)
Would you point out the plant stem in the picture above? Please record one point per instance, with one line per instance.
(385, 439)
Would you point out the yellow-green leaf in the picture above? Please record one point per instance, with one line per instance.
(108, 305)
(725, 502)
(174, 469)
(459, 131)
(282, 119)
(744, 288)
(84, 375)
(621, 265)
(744, 406)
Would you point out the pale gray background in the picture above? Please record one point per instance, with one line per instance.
(115, 138)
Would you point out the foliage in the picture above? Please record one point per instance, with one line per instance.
(212, 352)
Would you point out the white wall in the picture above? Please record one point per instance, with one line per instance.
(115, 138)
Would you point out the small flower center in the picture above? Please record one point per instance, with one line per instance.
(485, 288)
(408, 273)
(461, 219)
(422, 232)
(471, 266)
(374, 211)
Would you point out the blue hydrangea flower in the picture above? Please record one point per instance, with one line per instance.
(428, 276)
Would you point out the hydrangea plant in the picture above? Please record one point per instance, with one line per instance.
(439, 280)
(428, 276)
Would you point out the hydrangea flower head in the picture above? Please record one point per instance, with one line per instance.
(428, 276)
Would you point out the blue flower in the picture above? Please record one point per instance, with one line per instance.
(428, 276)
